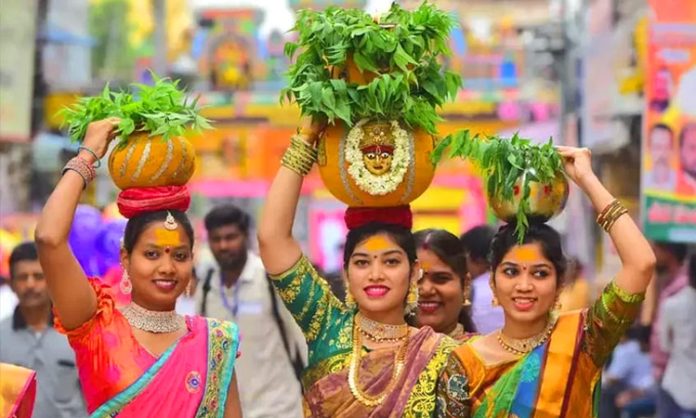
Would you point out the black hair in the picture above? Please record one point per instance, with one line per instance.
(477, 242)
(227, 214)
(692, 271)
(678, 250)
(137, 224)
(448, 248)
(548, 238)
(25, 251)
(402, 236)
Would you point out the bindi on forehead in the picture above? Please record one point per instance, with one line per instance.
(377, 243)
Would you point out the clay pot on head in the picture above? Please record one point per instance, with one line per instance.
(335, 174)
(545, 200)
(144, 161)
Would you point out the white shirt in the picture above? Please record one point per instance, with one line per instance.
(677, 334)
(487, 317)
(267, 384)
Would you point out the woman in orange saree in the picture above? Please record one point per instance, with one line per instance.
(540, 364)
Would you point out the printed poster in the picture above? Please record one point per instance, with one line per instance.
(668, 184)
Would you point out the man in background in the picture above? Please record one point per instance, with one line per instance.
(28, 339)
(235, 287)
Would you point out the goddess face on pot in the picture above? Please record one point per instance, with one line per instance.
(377, 147)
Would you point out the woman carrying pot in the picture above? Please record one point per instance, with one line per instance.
(541, 364)
(444, 288)
(364, 360)
(145, 359)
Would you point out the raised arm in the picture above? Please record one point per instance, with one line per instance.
(279, 250)
(73, 297)
(233, 407)
(637, 258)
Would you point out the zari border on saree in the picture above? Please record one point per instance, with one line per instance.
(223, 343)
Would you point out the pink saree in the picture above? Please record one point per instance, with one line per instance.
(120, 378)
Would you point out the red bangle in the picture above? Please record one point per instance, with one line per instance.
(81, 167)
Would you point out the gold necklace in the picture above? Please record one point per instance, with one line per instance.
(353, 378)
(525, 345)
(379, 332)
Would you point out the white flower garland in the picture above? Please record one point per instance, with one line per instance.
(368, 182)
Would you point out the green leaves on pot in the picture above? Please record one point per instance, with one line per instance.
(502, 163)
(160, 109)
(402, 52)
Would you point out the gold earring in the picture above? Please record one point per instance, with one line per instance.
(556, 310)
(467, 291)
(494, 301)
(349, 300)
(412, 298)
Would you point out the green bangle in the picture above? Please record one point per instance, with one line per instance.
(94, 154)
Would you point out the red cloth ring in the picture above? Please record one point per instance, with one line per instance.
(138, 200)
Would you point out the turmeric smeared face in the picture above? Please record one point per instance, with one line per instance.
(379, 273)
(160, 266)
(525, 283)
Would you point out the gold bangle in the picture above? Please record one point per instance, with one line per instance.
(611, 214)
(291, 161)
(301, 146)
(300, 156)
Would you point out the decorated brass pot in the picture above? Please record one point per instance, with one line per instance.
(545, 200)
(376, 163)
(145, 161)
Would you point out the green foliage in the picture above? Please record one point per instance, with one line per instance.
(160, 109)
(503, 162)
(402, 50)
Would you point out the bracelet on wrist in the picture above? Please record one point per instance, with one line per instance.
(97, 161)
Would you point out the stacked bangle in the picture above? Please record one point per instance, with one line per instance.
(300, 156)
(610, 214)
(81, 167)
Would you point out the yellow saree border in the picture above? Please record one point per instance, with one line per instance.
(558, 362)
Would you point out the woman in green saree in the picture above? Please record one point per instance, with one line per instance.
(364, 360)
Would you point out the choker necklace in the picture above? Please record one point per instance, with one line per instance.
(353, 371)
(525, 345)
(379, 332)
(153, 321)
